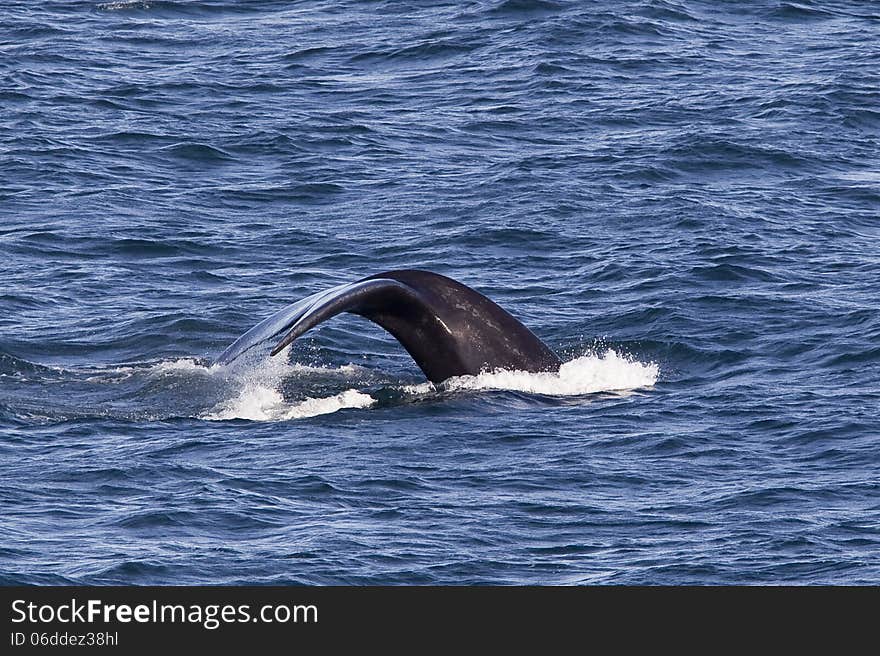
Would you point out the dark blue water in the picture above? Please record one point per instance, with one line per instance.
(681, 198)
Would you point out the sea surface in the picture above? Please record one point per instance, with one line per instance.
(681, 198)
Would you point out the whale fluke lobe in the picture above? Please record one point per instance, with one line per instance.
(448, 328)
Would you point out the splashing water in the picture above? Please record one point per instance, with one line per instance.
(258, 395)
(273, 389)
(259, 399)
(588, 374)
(266, 404)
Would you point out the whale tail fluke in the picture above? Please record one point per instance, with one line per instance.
(448, 328)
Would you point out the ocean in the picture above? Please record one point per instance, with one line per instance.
(681, 198)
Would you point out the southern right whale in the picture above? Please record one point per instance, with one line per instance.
(448, 328)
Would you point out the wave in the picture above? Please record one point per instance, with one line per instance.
(175, 8)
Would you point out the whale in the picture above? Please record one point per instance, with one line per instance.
(448, 328)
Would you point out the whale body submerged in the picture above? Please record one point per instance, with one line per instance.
(448, 328)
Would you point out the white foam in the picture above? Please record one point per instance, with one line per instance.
(258, 399)
(183, 364)
(588, 374)
(343, 370)
(251, 389)
(115, 374)
(350, 398)
(259, 403)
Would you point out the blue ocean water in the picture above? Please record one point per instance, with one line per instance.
(680, 197)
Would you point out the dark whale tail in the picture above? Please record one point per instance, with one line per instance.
(448, 328)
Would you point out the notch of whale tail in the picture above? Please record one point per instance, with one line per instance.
(448, 328)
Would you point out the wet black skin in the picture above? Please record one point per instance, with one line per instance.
(448, 328)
